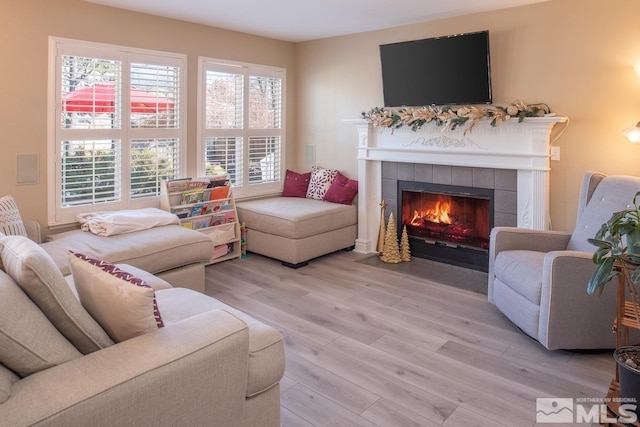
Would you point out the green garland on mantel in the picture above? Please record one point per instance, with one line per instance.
(451, 116)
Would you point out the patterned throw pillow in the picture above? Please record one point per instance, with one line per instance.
(343, 190)
(296, 184)
(123, 304)
(10, 220)
(321, 180)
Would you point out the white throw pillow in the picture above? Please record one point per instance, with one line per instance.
(124, 305)
(321, 180)
(10, 220)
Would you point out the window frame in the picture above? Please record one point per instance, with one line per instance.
(58, 47)
(248, 189)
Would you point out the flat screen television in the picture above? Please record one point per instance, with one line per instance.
(437, 71)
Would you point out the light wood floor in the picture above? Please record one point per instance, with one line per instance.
(380, 346)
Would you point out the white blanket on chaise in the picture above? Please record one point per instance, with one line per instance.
(127, 221)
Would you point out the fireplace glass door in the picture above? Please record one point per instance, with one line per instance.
(455, 220)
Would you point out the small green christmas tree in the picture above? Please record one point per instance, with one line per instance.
(391, 253)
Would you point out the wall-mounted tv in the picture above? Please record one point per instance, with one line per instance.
(437, 71)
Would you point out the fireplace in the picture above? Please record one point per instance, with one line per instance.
(445, 156)
(447, 223)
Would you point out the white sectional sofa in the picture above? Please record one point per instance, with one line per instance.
(208, 364)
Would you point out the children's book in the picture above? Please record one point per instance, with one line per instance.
(221, 192)
(192, 196)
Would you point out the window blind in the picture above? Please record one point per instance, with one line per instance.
(242, 124)
(121, 131)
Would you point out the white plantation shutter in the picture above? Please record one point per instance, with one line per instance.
(241, 125)
(264, 159)
(224, 155)
(224, 100)
(90, 172)
(120, 133)
(265, 98)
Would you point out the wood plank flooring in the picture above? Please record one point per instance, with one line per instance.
(387, 346)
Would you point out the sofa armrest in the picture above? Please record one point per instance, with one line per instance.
(34, 232)
(188, 373)
(566, 308)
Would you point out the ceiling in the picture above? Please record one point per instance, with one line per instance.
(303, 20)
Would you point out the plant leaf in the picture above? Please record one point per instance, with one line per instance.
(601, 276)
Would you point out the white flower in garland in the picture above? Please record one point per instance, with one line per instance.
(451, 116)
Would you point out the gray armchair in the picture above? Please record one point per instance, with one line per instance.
(538, 279)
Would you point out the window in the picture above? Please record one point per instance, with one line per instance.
(241, 124)
(119, 126)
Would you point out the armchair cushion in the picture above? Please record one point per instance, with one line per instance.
(611, 195)
(38, 276)
(521, 271)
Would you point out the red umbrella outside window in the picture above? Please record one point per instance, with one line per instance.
(100, 98)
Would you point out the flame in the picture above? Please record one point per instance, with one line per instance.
(439, 214)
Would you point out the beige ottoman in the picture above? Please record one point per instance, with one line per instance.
(295, 230)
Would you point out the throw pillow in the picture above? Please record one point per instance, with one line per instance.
(29, 343)
(321, 180)
(10, 219)
(296, 184)
(39, 277)
(123, 304)
(343, 190)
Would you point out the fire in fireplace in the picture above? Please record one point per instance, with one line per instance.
(447, 223)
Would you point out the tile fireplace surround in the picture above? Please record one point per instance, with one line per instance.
(499, 152)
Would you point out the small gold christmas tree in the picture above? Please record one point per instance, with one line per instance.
(391, 253)
(405, 251)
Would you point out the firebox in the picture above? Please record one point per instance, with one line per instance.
(447, 223)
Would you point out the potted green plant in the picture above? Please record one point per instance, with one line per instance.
(618, 253)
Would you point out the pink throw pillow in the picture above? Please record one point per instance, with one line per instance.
(343, 190)
(296, 184)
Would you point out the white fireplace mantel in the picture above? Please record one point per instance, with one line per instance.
(523, 146)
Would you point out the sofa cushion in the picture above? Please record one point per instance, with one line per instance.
(29, 343)
(10, 220)
(7, 378)
(295, 218)
(321, 180)
(343, 190)
(266, 348)
(295, 184)
(122, 303)
(522, 272)
(35, 272)
(154, 250)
